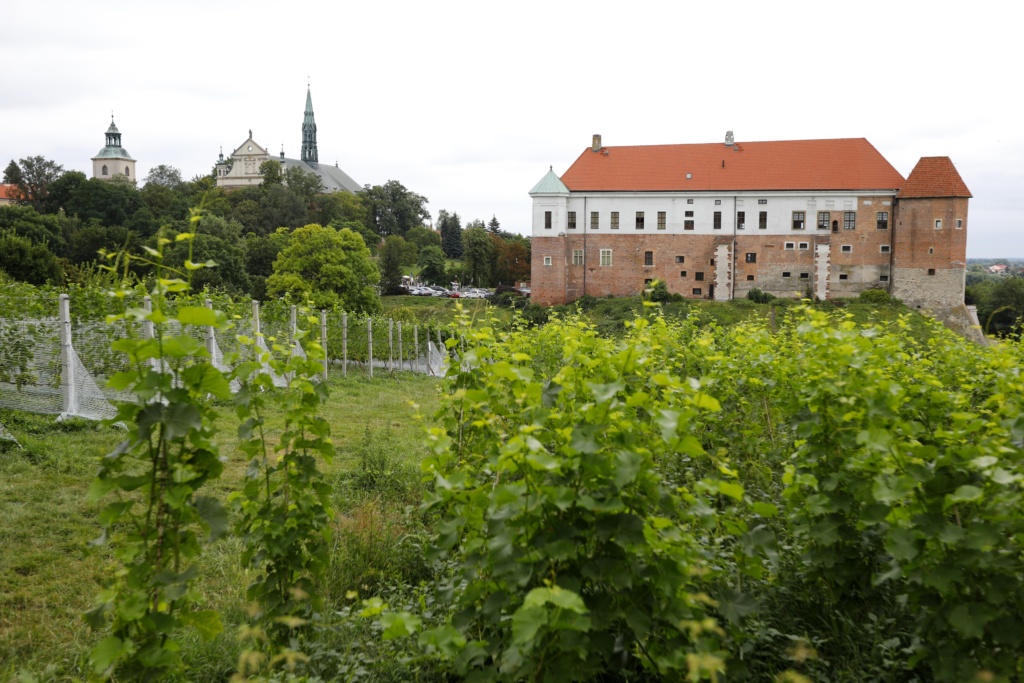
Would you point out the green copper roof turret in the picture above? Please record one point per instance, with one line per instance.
(113, 148)
(309, 153)
(550, 184)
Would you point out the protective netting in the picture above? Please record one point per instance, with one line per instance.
(30, 366)
(6, 435)
(86, 398)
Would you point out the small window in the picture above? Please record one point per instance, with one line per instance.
(594, 222)
(680, 259)
(750, 278)
(718, 220)
(959, 223)
(661, 220)
(883, 278)
(688, 214)
(938, 224)
(931, 271)
(547, 260)
(805, 276)
(682, 273)
(104, 169)
(696, 290)
(688, 224)
(547, 220)
(850, 220)
(798, 220)
(790, 245)
(689, 201)
(615, 220)
(572, 220)
(606, 257)
(762, 201)
(931, 250)
(648, 281)
(699, 275)
(127, 171)
(762, 220)
(718, 202)
(847, 249)
(786, 273)
(804, 246)
(741, 219)
(843, 276)
(712, 261)
(885, 248)
(882, 220)
(639, 220)
(823, 219)
(751, 257)
(648, 258)
(577, 257)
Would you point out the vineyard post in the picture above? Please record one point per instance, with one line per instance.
(211, 340)
(391, 345)
(255, 319)
(67, 383)
(416, 344)
(369, 344)
(344, 344)
(401, 356)
(148, 332)
(323, 338)
(291, 337)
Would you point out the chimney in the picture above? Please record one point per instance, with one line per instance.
(596, 147)
(728, 138)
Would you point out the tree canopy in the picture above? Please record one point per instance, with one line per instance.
(393, 209)
(451, 234)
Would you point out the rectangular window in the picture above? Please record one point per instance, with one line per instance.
(661, 220)
(718, 202)
(843, 276)
(786, 273)
(712, 261)
(790, 245)
(718, 220)
(688, 224)
(639, 220)
(751, 257)
(606, 257)
(850, 220)
(882, 220)
(741, 219)
(938, 224)
(648, 281)
(847, 249)
(680, 259)
(682, 273)
(823, 219)
(883, 278)
(696, 290)
(594, 222)
(959, 223)
(750, 278)
(798, 220)
(931, 271)
(547, 260)
(805, 276)
(762, 201)
(648, 258)
(572, 220)
(689, 201)
(577, 257)
(615, 220)
(699, 275)
(884, 248)
(547, 220)
(688, 214)
(762, 220)
(804, 246)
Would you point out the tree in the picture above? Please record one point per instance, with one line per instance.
(513, 262)
(85, 243)
(271, 172)
(451, 234)
(303, 183)
(37, 228)
(478, 250)
(494, 226)
(476, 223)
(423, 237)
(37, 174)
(281, 208)
(229, 273)
(329, 267)
(165, 176)
(432, 265)
(389, 259)
(29, 262)
(163, 202)
(1003, 309)
(12, 174)
(62, 190)
(108, 202)
(393, 210)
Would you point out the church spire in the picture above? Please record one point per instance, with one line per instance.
(309, 153)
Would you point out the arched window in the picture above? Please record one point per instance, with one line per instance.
(126, 171)
(104, 169)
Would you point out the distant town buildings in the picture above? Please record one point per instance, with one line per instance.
(113, 160)
(825, 218)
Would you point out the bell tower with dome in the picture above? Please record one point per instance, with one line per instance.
(113, 159)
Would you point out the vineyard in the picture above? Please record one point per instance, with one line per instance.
(794, 498)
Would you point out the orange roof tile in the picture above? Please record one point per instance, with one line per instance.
(842, 164)
(934, 177)
(7, 192)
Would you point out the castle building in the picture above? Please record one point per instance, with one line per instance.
(113, 159)
(826, 218)
(242, 167)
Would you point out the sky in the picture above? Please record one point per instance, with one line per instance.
(470, 103)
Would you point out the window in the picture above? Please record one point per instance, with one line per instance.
(843, 276)
(682, 273)
(882, 220)
(850, 220)
(699, 275)
(931, 250)
(847, 249)
(931, 271)
(648, 258)
(688, 214)
(689, 201)
(798, 220)
(751, 257)
(883, 278)
(648, 281)
(572, 220)
(577, 257)
(938, 224)
(606, 257)
(547, 220)
(594, 222)
(786, 273)
(639, 220)
(547, 260)
(688, 224)
(712, 261)
(127, 171)
(959, 223)
(104, 170)
(750, 278)
(790, 245)
(718, 220)
(885, 248)
(762, 201)
(661, 220)
(805, 276)
(741, 219)
(615, 220)
(718, 202)
(804, 246)
(696, 290)
(680, 259)
(823, 218)
(762, 220)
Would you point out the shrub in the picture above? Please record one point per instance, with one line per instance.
(759, 297)
(875, 296)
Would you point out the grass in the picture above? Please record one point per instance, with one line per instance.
(49, 574)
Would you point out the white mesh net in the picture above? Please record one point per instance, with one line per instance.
(6, 435)
(30, 366)
(437, 362)
(86, 398)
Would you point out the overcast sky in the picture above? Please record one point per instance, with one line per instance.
(468, 103)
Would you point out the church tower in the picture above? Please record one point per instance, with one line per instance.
(113, 159)
(309, 153)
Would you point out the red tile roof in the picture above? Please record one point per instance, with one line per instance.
(7, 192)
(934, 177)
(843, 164)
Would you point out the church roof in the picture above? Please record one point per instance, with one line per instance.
(934, 177)
(113, 152)
(550, 184)
(333, 178)
(841, 164)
